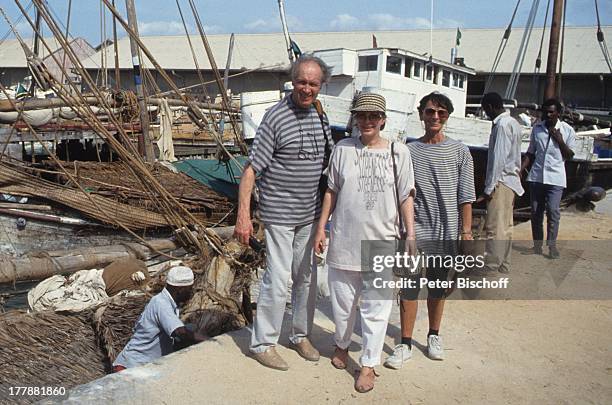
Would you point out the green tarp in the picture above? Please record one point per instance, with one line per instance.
(219, 176)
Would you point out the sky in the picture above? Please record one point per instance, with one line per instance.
(161, 17)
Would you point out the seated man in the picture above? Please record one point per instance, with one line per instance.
(159, 323)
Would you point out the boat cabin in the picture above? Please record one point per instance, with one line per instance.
(395, 69)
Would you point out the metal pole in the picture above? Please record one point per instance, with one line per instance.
(431, 28)
(281, 8)
(553, 50)
(145, 147)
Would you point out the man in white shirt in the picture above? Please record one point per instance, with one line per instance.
(550, 146)
(502, 182)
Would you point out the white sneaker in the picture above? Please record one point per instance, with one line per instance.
(434, 347)
(401, 354)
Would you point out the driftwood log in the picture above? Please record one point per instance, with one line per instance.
(41, 265)
(46, 264)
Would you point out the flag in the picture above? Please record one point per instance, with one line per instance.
(458, 40)
(374, 41)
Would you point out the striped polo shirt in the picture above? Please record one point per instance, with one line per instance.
(444, 179)
(288, 155)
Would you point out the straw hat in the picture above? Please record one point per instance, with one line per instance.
(370, 102)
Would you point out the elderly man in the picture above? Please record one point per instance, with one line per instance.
(502, 183)
(550, 146)
(159, 323)
(288, 153)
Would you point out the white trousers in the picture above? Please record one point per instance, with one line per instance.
(288, 254)
(346, 289)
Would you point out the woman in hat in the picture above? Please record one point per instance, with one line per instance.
(362, 196)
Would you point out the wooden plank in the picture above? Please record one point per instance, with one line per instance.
(26, 206)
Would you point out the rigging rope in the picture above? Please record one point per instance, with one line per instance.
(17, 21)
(212, 122)
(66, 36)
(520, 57)
(500, 50)
(601, 40)
(224, 98)
(538, 64)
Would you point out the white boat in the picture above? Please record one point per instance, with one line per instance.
(403, 78)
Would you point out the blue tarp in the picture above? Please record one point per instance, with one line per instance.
(219, 176)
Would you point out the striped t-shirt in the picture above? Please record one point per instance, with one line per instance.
(444, 179)
(288, 154)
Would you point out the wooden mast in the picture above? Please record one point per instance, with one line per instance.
(145, 146)
(32, 88)
(553, 50)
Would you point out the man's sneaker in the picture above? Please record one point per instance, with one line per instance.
(401, 354)
(553, 252)
(434, 347)
(307, 350)
(271, 359)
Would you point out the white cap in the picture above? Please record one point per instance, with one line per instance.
(180, 276)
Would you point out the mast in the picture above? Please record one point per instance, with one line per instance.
(35, 50)
(145, 147)
(553, 50)
(281, 8)
(116, 52)
(228, 64)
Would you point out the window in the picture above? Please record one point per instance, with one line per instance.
(462, 81)
(417, 69)
(368, 63)
(429, 73)
(394, 64)
(455, 79)
(446, 78)
(436, 77)
(408, 68)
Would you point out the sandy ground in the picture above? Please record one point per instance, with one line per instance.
(501, 351)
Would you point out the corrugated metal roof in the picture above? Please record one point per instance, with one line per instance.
(251, 51)
(12, 55)
(478, 47)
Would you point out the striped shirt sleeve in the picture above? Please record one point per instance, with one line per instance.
(262, 150)
(466, 191)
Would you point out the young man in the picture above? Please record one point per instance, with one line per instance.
(288, 153)
(159, 323)
(502, 183)
(550, 146)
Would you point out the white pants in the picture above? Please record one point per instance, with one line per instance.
(346, 288)
(288, 254)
